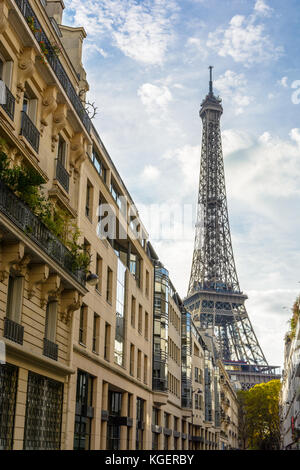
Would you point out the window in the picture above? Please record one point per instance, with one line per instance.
(51, 318)
(120, 313)
(146, 325)
(98, 164)
(8, 395)
(61, 151)
(89, 200)
(114, 430)
(140, 319)
(139, 364)
(155, 416)
(131, 369)
(107, 342)
(196, 374)
(145, 369)
(109, 285)
(29, 106)
(166, 420)
(147, 284)
(176, 422)
(84, 411)
(99, 273)
(6, 71)
(43, 416)
(155, 441)
(120, 200)
(96, 331)
(133, 306)
(135, 267)
(140, 405)
(82, 324)
(15, 298)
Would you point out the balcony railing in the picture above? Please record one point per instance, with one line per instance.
(9, 106)
(62, 175)
(55, 64)
(22, 216)
(50, 349)
(29, 131)
(13, 331)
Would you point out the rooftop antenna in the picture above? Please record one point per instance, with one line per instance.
(210, 80)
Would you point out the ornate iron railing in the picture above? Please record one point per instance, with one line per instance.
(13, 331)
(29, 131)
(62, 175)
(50, 349)
(9, 106)
(8, 392)
(22, 216)
(55, 63)
(43, 416)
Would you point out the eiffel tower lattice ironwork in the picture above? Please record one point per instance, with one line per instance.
(214, 296)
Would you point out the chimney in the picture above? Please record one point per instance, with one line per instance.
(54, 9)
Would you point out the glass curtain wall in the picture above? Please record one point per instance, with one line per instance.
(160, 336)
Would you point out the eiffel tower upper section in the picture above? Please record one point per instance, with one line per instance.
(213, 262)
(214, 296)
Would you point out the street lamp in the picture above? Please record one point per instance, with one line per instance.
(92, 279)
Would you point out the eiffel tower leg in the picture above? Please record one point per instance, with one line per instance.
(248, 338)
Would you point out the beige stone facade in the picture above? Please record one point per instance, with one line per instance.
(229, 412)
(87, 366)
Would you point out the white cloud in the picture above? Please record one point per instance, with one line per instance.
(244, 41)
(266, 172)
(262, 8)
(283, 82)
(232, 86)
(150, 173)
(234, 140)
(91, 48)
(199, 44)
(143, 31)
(155, 99)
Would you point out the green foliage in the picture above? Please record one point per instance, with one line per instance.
(81, 257)
(26, 183)
(259, 416)
(293, 320)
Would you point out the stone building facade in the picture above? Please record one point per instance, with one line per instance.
(290, 393)
(111, 364)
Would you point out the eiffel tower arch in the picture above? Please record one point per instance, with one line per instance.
(214, 297)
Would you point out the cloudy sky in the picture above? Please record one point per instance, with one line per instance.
(147, 63)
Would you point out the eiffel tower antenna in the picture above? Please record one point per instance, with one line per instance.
(210, 80)
(214, 296)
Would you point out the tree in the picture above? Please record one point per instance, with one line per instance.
(259, 416)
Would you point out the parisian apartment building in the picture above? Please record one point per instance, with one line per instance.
(290, 392)
(98, 354)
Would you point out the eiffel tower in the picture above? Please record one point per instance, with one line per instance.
(214, 296)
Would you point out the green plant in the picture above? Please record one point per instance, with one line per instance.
(81, 257)
(27, 183)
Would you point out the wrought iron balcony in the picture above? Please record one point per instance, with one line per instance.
(55, 64)
(13, 331)
(29, 131)
(62, 175)
(22, 216)
(9, 106)
(50, 349)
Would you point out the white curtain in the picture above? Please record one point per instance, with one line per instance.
(2, 92)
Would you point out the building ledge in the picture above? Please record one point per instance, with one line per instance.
(26, 355)
(160, 398)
